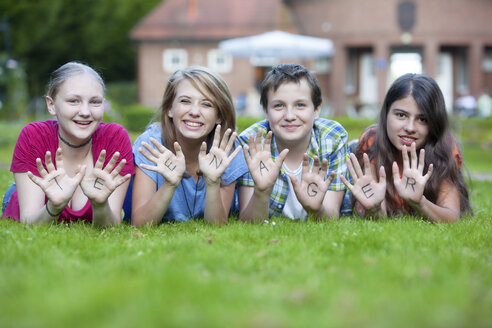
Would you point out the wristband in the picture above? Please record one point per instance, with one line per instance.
(50, 213)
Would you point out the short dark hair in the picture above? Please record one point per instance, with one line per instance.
(284, 73)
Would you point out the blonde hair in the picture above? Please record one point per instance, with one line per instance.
(61, 74)
(212, 86)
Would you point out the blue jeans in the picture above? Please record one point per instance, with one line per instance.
(8, 194)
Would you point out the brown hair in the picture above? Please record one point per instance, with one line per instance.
(284, 73)
(212, 86)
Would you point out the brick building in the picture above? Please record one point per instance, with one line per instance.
(375, 41)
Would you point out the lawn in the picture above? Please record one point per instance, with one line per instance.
(348, 272)
(343, 273)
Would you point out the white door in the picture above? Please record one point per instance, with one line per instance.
(444, 78)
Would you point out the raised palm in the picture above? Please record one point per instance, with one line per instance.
(263, 169)
(54, 181)
(368, 191)
(410, 185)
(213, 164)
(311, 190)
(171, 166)
(99, 183)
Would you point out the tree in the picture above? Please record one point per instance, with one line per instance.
(47, 34)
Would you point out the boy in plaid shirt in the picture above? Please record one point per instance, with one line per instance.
(295, 158)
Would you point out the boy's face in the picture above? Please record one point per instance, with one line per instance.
(291, 113)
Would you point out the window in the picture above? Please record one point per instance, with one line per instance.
(322, 65)
(487, 60)
(402, 63)
(174, 59)
(219, 61)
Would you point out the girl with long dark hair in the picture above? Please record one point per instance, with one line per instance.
(412, 141)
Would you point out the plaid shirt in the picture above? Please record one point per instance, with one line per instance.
(328, 140)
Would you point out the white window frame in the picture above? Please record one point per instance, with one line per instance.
(219, 61)
(322, 65)
(487, 61)
(174, 59)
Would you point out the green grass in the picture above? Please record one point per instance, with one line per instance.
(347, 272)
(343, 273)
(476, 138)
(8, 137)
(477, 158)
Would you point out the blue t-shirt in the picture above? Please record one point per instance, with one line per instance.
(189, 197)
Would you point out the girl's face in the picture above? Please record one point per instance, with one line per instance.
(406, 124)
(78, 107)
(194, 116)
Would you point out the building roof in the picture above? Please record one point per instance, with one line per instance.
(212, 20)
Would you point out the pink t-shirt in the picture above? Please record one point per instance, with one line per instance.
(38, 137)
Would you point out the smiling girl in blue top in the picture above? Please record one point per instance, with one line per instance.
(186, 165)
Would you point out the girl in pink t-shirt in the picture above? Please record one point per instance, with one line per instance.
(86, 179)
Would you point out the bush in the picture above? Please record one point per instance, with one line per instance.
(243, 122)
(137, 117)
(123, 93)
(354, 126)
(13, 89)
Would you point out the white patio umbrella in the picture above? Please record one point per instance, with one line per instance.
(278, 44)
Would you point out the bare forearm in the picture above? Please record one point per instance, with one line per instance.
(434, 212)
(153, 210)
(374, 212)
(330, 207)
(102, 215)
(215, 212)
(324, 213)
(46, 214)
(258, 206)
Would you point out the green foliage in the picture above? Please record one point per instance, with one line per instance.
(13, 89)
(137, 117)
(122, 93)
(124, 107)
(348, 272)
(354, 127)
(112, 115)
(8, 138)
(243, 122)
(473, 130)
(47, 34)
